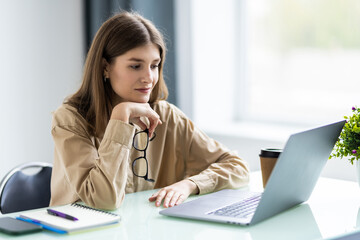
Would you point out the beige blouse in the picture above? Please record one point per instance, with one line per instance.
(99, 171)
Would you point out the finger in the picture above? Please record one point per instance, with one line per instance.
(167, 198)
(160, 197)
(153, 124)
(140, 123)
(152, 198)
(153, 117)
(174, 199)
(181, 199)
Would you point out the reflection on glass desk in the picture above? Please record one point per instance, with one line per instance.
(332, 210)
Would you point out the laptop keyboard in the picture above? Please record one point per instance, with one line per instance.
(243, 209)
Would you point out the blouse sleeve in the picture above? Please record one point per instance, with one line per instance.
(98, 176)
(213, 167)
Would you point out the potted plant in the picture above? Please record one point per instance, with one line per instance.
(348, 144)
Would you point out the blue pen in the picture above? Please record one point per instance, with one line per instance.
(42, 225)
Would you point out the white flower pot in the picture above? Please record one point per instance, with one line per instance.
(358, 170)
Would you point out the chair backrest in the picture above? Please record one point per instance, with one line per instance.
(20, 191)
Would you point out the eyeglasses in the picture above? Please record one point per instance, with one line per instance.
(141, 142)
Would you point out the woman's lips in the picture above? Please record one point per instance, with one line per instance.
(143, 90)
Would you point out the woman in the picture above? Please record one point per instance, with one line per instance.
(117, 134)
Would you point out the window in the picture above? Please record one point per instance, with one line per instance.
(280, 61)
(303, 59)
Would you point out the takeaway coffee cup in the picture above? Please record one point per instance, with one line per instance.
(268, 157)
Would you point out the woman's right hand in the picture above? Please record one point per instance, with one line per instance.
(130, 112)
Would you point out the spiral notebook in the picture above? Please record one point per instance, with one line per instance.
(87, 218)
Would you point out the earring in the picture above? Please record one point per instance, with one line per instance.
(104, 78)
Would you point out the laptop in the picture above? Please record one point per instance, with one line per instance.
(291, 183)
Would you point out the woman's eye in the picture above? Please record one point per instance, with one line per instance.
(135, 67)
(154, 66)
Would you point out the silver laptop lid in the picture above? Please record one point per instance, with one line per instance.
(297, 170)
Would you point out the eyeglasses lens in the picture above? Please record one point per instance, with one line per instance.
(141, 141)
(139, 167)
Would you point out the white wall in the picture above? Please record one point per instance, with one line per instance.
(41, 58)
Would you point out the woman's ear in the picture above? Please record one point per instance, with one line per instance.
(106, 68)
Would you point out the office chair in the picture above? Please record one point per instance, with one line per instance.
(20, 191)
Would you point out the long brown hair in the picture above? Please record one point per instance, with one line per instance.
(119, 34)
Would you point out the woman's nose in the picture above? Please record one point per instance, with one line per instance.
(148, 75)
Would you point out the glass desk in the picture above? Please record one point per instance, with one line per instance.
(332, 210)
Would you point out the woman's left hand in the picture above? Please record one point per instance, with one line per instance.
(174, 194)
